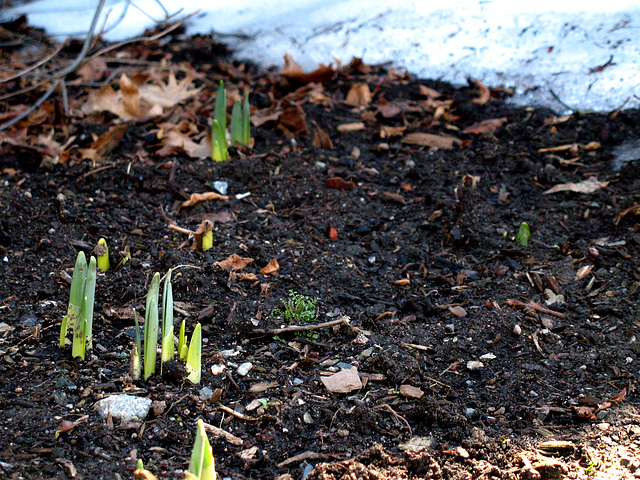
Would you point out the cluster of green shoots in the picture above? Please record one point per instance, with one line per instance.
(79, 317)
(240, 127)
(191, 353)
(79, 320)
(298, 309)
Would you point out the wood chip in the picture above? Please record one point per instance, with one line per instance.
(430, 140)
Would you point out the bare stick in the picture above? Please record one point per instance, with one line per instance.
(305, 328)
(36, 65)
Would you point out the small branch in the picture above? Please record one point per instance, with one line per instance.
(304, 328)
(395, 414)
(186, 231)
(36, 65)
(534, 306)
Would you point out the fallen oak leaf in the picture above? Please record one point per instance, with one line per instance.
(104, 144)
(173, 142)
(234, 262)
(198, 198)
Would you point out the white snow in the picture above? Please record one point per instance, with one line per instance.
(537, 47)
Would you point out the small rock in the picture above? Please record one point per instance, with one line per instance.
(470, 412)
(343, 432)
(487, 356)
(308, 419)
(517, 330)
(125, 407)
(158, 407)
(221, 186)
(410, 391)
(450, 328)
(344, 381)
(205, 393)
(458, 311)
(245, 368)
(218, 368)
(474, 365)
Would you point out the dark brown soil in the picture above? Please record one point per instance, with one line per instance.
(420, 232)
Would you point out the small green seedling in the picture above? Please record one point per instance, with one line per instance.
(300, 310)
(168, 347)
(219, 152)
(240, 122)
(194, 356)
(151, 327)
(79, 317)
(202, 465)
(102, 255)
(183, 349)
(524, 234)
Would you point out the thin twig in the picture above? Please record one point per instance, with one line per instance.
(305, 328)
(61, 74)
(34, 66)
(387, 407)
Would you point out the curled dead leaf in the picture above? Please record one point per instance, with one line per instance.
(359, 94)
(321, 139)
(590, 185)
(272, 268)
(198, 198)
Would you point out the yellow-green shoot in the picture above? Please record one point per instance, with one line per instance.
(524, 234)
(168, 348)
(183, 349)
(194, 356)
(219, 152)
(151, 327)
(207, 241)
(202, 465)
(79, 317)
(240, 123)
(102, 254)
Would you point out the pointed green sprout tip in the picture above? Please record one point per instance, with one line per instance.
(151, 327)
(76, 296)
(182, 342)
(237, 134)
(246, 121)
(220, 108)
(194, 356)
(168, 347)
(102, 252)
(207, 241)
(202, 465)
(140, 465)
(524, 234)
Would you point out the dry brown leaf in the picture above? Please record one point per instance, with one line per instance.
(234, 262)
(93, 69)
(198, 198)
(389, 110)
(386, 131)
(590, 185)
(247, 277)
(583, 272)
(430, 140)
(429, 92)
(262, 386)
(359, 95)
(293, 71)
(293, 122)
(272, 268)
(321, 139)
(204, 227)
(485, 94)
(338, 183)
(351, 127)
(135, 101)
(291, 68)
(391, 197)
(104, 144)
(402, 282)
(486, 127)
(174, 141)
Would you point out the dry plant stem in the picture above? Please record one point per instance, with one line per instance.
(395, 414)
(305, 328)
(218, 432)
(36, 65)
(186, 231)
(63, 73)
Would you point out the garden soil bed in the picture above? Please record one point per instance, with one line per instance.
(380, 195)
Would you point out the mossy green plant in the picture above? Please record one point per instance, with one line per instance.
(300, 310)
